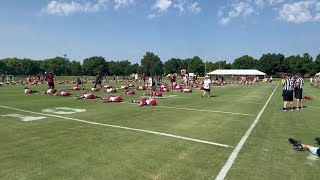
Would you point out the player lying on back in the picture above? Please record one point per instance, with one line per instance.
(146, 102)
(29, 91)
(110, 90)
(129, 92)
(88, 96)
(50, 92)
(186, 90)
(141, 88)
(112, 99)
(62, 93)
(95, 89)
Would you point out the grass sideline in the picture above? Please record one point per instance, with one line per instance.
(57, 148)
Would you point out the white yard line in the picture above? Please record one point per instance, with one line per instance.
(312, 95)
(198, 110)
(222, 174)
(121, 127)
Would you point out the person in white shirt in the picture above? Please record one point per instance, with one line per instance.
(206, 86)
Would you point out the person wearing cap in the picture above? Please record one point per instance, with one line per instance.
(206, 86)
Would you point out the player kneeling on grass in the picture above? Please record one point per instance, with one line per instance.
(88, 96)
(29, 91)
(297, 145)
(112, 99)
(63, 93)
(146, 102)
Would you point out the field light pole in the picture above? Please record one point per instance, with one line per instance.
(65, 65)
(205, 65)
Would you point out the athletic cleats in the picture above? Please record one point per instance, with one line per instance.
(298, 147)
(296, 144)
(293, 141)
(283, 109)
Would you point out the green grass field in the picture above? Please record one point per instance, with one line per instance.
(124, 141)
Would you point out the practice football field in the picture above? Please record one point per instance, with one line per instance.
(240, 133)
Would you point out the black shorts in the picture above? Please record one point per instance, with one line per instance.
(98, 82)
(287, 95)
(207, 90)
(298, 93)
(79, 83)
(51, 84)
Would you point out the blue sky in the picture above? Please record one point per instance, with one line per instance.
(126, 29)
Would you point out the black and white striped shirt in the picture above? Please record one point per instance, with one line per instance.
(288, 85)
(299, 83)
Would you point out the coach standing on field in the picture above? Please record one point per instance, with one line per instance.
(287, 94)
(50, 80)
(298, 91)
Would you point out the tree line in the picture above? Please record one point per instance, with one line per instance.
(151, 64)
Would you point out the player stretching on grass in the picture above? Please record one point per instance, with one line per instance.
(88, 96)
(146, 102)
(112, 99)
(297, 145)
(29, 91)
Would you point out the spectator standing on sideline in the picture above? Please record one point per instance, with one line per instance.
(50, 79)
(298, 91)
(287, 94)
(3, 78)
(206, 86)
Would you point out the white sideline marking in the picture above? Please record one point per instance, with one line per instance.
(199, 110)
(222, 174)
(122, 127)
(313, 106)
(312, 95)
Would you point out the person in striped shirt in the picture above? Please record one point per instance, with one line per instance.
(298, 91)
(287, 94)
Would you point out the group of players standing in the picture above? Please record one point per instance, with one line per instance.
(292, 86)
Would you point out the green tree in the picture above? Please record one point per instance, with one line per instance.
(76, 68)
(272, 63)
(316, 65)
(151, 64)
(195, 65)
(298, 64)
(93, 65)
(245, 62)
(3, 67)
(58, 65)
(173, 65)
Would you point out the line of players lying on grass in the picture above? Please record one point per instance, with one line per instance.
(110, 99)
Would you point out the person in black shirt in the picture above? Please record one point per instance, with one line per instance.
(98, 80)
(79, 82)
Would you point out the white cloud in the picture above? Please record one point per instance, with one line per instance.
(152, 16)
(194, 8)
(300, 12)
(293, 11)
(122, 3)
(180, 6)
(68, 8)
(237, 9)
(225, 21)
(162, 5)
